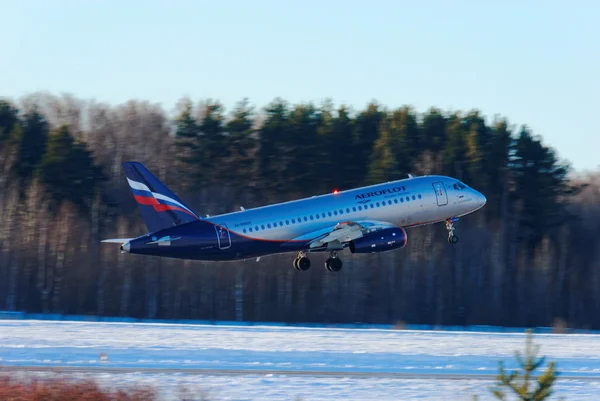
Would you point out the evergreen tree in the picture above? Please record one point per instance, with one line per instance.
(496, 165)
(405, 121)
(325, 158)
(367, 124)
(67, 170)
(187, 135)
(540, 182)
(478, 144)
(337, 149)
(203, 146)
(8, 118)
(434, 130)
(241, 146)
(11, 131)
(272, 153)
(519, 382)
(212, 147)
(32, 144)
(302, 148)
(343, 150)
(391, 155)
(456, 149)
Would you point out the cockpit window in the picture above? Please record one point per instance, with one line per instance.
(458, 186)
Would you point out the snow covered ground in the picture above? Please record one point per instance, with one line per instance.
(134, 345)
(268, 388)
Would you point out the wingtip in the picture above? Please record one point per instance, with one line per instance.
(117, 240)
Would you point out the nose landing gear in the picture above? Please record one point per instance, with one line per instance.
(452, 239)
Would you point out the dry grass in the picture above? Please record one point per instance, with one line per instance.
(559, 326)
(400, 325)
(66, 390)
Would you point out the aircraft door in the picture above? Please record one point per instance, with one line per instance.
(440, 193)
(223, 237)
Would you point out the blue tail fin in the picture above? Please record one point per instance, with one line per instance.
(160, 207)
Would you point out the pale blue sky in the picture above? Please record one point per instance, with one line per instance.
(535, 62)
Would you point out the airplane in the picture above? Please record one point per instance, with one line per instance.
(370, 219)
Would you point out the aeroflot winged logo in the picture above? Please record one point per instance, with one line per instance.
(160, 202)
(366, 195)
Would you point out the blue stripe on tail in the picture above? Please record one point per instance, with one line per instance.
(160, 207)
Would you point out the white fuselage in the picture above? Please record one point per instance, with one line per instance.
(405, 203)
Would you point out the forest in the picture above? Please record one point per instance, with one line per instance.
(530, 257)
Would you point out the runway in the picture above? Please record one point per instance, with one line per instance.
(266, 372)
(270, 363)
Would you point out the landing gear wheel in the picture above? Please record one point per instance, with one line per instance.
(301, 263)
(333, 264)
(452, 239)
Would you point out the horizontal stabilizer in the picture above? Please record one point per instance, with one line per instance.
(117, 240)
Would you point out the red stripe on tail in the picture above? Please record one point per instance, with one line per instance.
(151, 201)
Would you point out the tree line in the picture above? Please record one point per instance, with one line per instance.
(527, 258)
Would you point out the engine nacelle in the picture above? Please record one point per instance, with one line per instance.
(383, 240)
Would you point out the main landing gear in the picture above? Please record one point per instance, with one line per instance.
(332, 264)
(301, 263)
(452, 239)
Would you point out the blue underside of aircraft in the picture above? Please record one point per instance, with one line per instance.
(203, 240)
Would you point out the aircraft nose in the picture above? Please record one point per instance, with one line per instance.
(481, 200)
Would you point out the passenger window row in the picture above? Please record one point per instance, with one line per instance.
(324, 215)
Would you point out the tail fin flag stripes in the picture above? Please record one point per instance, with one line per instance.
(160, 207)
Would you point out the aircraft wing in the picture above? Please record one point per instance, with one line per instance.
(336, 236)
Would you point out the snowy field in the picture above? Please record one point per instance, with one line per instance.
(269, 350)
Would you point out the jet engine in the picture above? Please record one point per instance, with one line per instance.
(383, 240)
